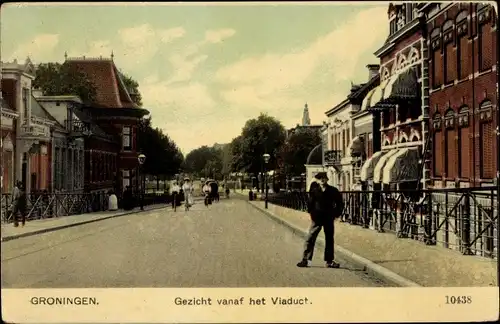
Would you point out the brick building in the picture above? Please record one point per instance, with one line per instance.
(401, 103)
(111, 161)
(463, 93)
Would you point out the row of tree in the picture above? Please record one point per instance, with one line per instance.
(165, 158)
(261, 135)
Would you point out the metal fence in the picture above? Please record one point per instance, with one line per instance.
(462, 219)
(49, 205)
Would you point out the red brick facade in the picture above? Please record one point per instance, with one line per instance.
(463, 94)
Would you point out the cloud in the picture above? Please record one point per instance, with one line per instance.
(218, 35)
(183, 67)
(39, 49)
(273, 80)
(169, 35)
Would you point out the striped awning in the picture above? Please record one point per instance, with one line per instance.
(402, 166)
(367, 99)
(368, 167)
(402, 86)
(377, 172)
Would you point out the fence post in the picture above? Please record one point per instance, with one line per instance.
(466, 250)
(428, 232)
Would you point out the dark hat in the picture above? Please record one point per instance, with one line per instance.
(321, 175)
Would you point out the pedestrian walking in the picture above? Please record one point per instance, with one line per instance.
(187, 187)
(128, 199)
(19, 204)
(325, 204)
(175, 194)
(206, 191)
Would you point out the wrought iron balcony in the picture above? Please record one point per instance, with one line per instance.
(34, 131)
(77, 128)
(333, 157)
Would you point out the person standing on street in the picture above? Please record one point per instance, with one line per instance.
(325, 204)
(19, 204)
(187, 187)
(206, 191)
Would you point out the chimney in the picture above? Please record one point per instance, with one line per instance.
(372, 70)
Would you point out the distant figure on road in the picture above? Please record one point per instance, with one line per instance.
(324, 206)
(176, 189)
(112, 201)
(206, 192)
(187, 187)
(128, 199)
(19, 204)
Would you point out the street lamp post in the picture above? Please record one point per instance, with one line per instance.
(266, 160)
(142, 158)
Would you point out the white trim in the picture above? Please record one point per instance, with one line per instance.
(415, 133)
(400, 51)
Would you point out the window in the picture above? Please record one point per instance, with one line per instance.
(450, 144)
(463, 142)
(484, 37)
(26, 97)
(127, 138)
(462, 45)
(436, 58)
(409, 11)
(392, 25)
(448, 63)
(488, 154)
(126, 178)
(437, 161)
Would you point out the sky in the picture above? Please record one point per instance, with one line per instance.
(204, 69)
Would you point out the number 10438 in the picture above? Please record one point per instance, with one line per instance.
(456, 300)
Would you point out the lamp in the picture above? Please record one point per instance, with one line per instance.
(266, 160)
(142, 159)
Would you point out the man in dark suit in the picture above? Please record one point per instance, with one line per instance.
(324, 206)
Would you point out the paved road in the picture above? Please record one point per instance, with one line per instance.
(230, 244)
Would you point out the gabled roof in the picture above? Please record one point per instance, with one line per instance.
(103, 74)
(361, 92)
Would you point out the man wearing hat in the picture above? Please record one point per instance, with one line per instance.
(324, 206)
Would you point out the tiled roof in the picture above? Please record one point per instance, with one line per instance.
(102, 73)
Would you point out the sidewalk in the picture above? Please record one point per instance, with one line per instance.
(404, 262)
(33, 227)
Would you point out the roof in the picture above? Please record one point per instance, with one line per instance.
(315, 156)
(360, 93)
(38, 111)
(103, 74)
(86, 118)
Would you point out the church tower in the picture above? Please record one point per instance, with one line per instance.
(306, 121)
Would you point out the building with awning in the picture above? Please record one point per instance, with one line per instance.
(400, 101)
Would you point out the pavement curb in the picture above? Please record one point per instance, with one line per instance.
(51, 229)
(367, 265)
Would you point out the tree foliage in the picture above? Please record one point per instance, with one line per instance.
(132, 86)
(297, 148)
(163, 157)
(264, 134)
(204, 162)
(59, 79)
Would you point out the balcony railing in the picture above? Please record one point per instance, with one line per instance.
(333, 157)
(78, 128)
(35, 131)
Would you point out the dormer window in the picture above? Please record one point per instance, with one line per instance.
(392, 23)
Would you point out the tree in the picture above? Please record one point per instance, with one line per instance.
(59, 79)
(202, 160)
(163, 157)
(297, 148)
(264, 134)
(132, 86)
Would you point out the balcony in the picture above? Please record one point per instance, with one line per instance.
(333, 158)
(35, 132)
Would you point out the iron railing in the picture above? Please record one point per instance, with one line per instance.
(48, 205)
(462, 219)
